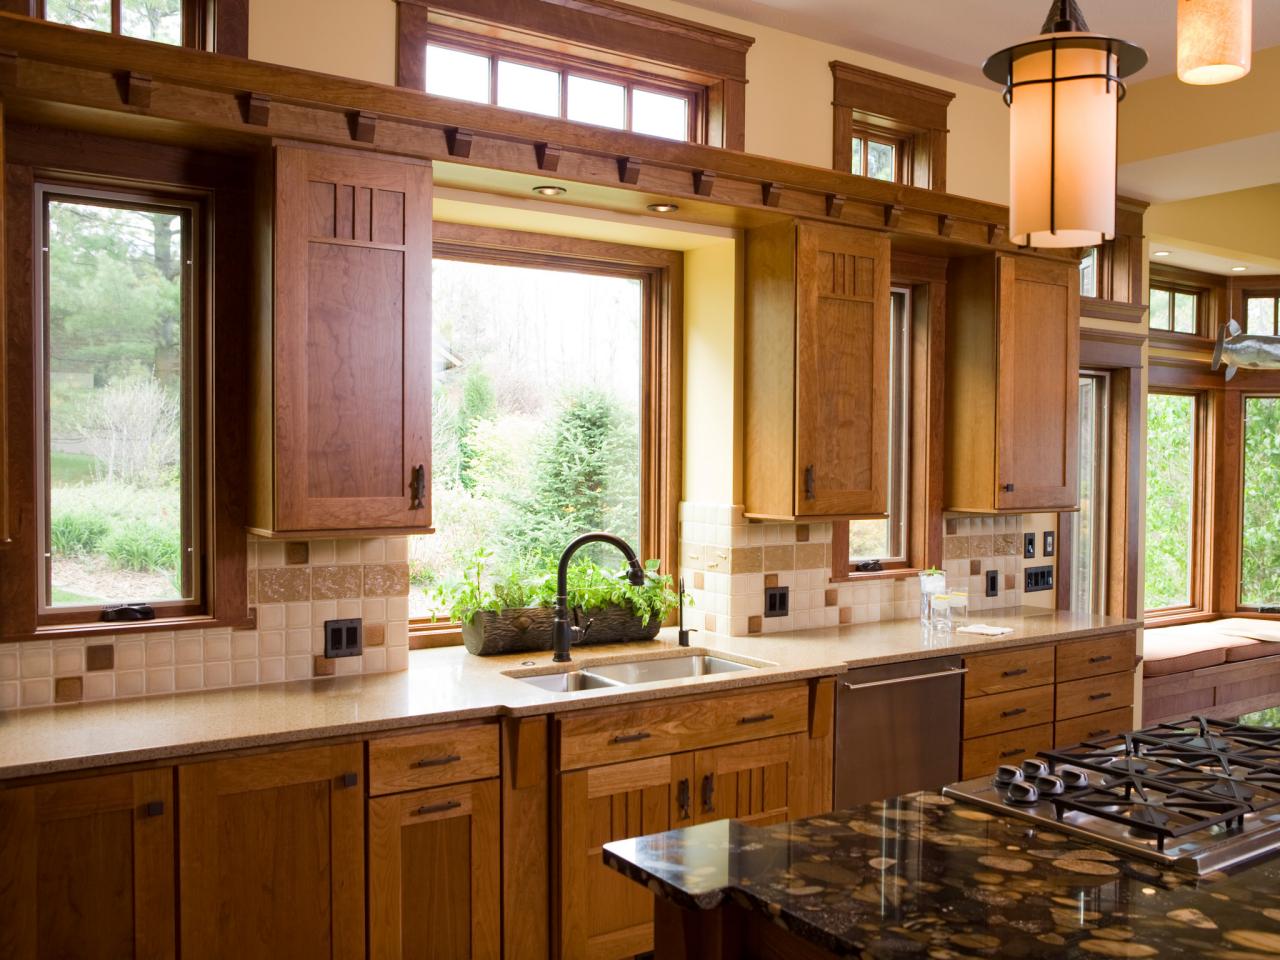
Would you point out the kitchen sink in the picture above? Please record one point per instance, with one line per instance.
(570, 682)
(625, 673)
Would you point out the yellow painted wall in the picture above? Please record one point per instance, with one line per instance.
(788, 96)
(1242, 224)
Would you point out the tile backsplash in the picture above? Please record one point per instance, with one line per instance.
(295, 585)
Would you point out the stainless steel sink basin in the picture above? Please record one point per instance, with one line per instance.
(670, 668)
(569, 682)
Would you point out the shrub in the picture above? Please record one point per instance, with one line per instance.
(143, 547)
(76, 534)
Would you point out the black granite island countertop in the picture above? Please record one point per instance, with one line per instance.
(925, 876)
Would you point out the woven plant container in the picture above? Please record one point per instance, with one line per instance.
(529, 628)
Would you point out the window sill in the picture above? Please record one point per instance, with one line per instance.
(1177, 617)
(892, 573)
(100, 629)
(424, 635)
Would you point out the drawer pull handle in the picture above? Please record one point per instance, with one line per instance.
(437, 807)
(437, 761)
(709, 793)
(757, 718)
(630, 737)
(1098, 733)
(682, 798)
(153, 809)
(1012, 753)
(1015, 672)
(348, 779)
(1015, 712)
(1099, 696)
(1101, 658)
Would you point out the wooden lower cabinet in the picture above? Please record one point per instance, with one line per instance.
(272, 855)
(435, 874)
(87, 868)
(747, 781)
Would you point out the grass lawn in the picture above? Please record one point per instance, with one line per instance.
(66, 597)
(70, 468)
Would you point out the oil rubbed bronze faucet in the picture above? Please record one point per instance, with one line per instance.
(563, 633)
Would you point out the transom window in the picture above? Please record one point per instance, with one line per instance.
(1262, 315)
(536, 85)
(1174, 310)
(875, 158)
(1175, 483)
(159, 20)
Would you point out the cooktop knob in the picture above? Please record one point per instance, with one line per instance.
(1022, 792)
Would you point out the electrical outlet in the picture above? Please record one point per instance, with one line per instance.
(1028, 546)
(777, 601)
(993, 583)
(1037, 579)
(1049, 539)
(343, 638)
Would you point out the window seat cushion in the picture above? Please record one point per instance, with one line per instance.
(1187, 647)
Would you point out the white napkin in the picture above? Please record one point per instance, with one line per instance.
(985, 630)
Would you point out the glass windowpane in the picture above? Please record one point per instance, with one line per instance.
(597, 102)
(855, 151)
(1088, 552)
(90, 14)
(660, 115)
(1089, 273)
(1184, 312)
(457, 74)
(531, 89)
(1260, 541)
(159, 20)
(880, 161)
(1261, 316)
(117, 452)
(1171, 485)
(1159, 309)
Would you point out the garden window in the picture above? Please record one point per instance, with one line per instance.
(1260, 534)
(1175, 487)
(117, 446)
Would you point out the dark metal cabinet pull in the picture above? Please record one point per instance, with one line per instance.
(1012, 753)
(1099, 696)
(437, 761)
(437, 807)
(1101, 658)
(683, 798)
(709, 793)
(808, 483)
(418, 487)
(630, 737)
(1015, 672)
(348, 779)
(757, 718)
(1015, 712)
(1098, 733)
(1008, 488)
(153, 809)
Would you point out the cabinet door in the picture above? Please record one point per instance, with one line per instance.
(434, 874)
(352, 315)
(842, 371)
(1037, 387)
(87, 869)
(745, 781)
(272, 855)
(603, 915)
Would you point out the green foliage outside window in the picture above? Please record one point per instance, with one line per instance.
(1170, 493)
(1260, 555)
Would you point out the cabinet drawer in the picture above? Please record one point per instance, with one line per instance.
(594, 737)
(432, 757)
(984, 754)
(1014, 670)
(1093, 658)
(1095, 695)
(1008, 711)
(1067, 733)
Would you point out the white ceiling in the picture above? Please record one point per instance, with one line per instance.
(953, 39)
(1183, 255)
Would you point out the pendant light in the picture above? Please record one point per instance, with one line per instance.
(1063, 90)
(1215, 40)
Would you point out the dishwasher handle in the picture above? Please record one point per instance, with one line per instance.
(949, 672)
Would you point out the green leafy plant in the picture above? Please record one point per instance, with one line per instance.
(591, 587)
(143, 547)
(76, 534)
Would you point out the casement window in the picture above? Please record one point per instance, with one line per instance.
(1175, 503)
(1089, 526)
(1262, 314)
(1177, 309)
(522, 80)
(1260, 521)
(1089, 273)
(203, 24)
(874, 155)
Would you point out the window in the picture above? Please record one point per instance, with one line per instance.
(1260, 539)
(1089, 524)
(159, 20)
(875, 158)
(611, 99)
(1262, 315)
(1175, 466)
(1177, 311)
(1089, 273)
(117, 446)
(886, 541)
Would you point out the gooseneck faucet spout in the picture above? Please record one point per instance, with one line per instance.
(562, 631)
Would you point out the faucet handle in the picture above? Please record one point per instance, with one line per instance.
(580, 633)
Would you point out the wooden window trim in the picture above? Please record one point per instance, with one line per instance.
(613, 37)
(35, 154)
(892, 109)
(221, 26)
(1120, 265)
(1253, 294)
(661, 413)
(1211, 292)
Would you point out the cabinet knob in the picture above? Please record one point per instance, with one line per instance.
(1008, 488)
(348, 780)
(153, 809)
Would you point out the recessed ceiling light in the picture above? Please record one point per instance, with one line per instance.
(547, 190)
(1239, 269)
(663, 207)
(1162, 253)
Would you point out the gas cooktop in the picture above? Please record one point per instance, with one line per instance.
(1198, 795)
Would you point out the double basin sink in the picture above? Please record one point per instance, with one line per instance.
(630, 672)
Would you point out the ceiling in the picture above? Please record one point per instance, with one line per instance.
(956, 42)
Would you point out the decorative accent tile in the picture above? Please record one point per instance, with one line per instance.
(331, 583)
(284, 584)
(809, 556)
(323, 667)
(955, 548)
(755, 624)
(68, 689)
(830, 597)
(802, 533)
(699, 580)
(981, 546)
(296, 552)
(386, 580)
(375, 634)
(1006, 545)
(781, 557)
(746, 560)
(975, 567)
(846, 614)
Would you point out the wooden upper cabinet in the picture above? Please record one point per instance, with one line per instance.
(87, 869)
(344, 373)
(1013, 342)
(817, 372)
(272, 858)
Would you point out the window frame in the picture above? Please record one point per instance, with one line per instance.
(662, 339)
(1099, 588)
(1273, 296)
(867, 134)
(194, 417)
(1268, 611)
(1174, 290)
(221, 26)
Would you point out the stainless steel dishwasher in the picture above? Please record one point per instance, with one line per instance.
(897, 729)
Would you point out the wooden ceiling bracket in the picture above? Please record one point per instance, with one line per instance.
(256, 108)
(892, 214)
(459, 142)
(629, 170)
(946, 224)
(363, 125)
(135, 89)
(548, 155)
(8, 68)
(835, 205)
(995, 233)
(704, 181)
(771, 193)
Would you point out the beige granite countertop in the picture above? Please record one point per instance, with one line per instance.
(449, 684)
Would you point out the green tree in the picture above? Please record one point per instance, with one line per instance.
(475, 407)
(1170, 493)
(1260, 554)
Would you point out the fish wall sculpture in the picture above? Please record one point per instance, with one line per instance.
(1238, 349)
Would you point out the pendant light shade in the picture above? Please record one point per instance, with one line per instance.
(1063, 90)
(1215, 40)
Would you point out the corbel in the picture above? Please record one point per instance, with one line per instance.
(771, 194)
(995, 233)
(363, 126)
(946, 224)
(548, 155)
(704, 181)
(459, 142)
(135, 89)
(835, 205)
(629, 170)
(256, 108)
(892, 214)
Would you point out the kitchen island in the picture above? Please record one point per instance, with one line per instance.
(923, 875)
